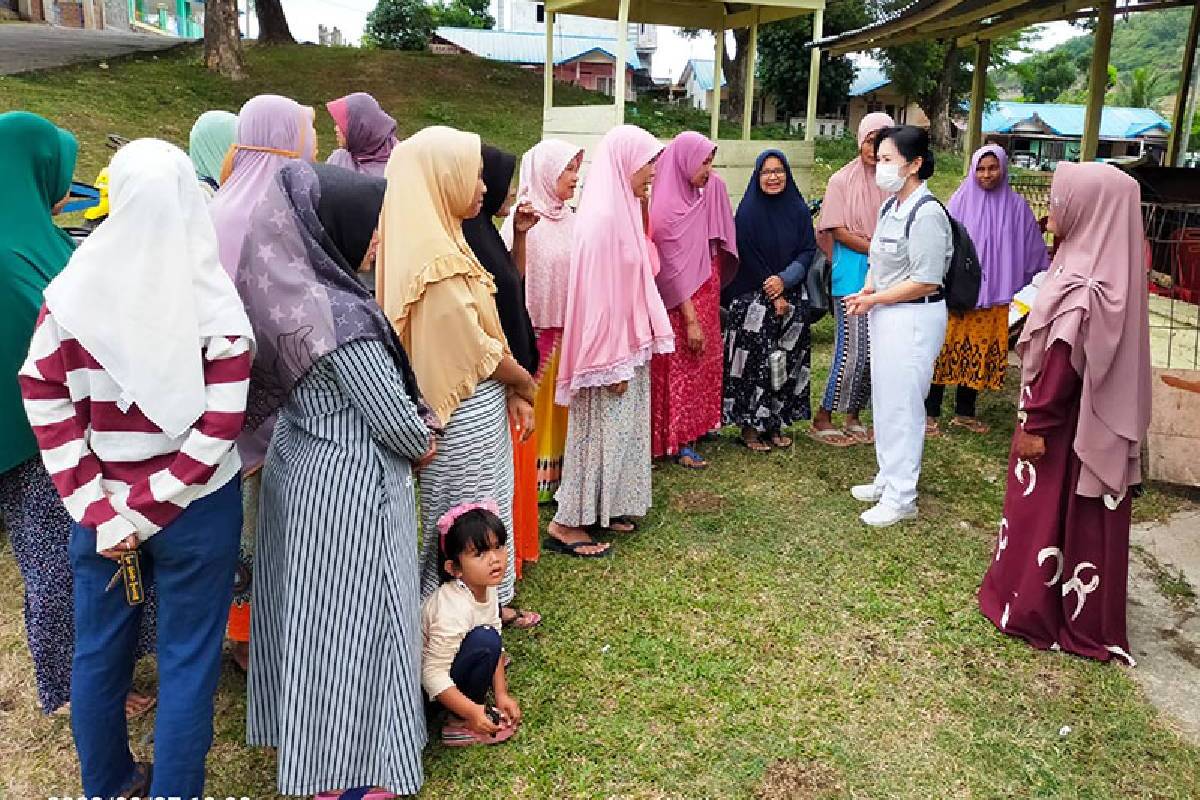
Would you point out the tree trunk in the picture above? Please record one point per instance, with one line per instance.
(272, 24)
(939, 102)
(222, 39)
(734, 72)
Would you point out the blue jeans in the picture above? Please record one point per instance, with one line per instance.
(474, 665)
(191, 561)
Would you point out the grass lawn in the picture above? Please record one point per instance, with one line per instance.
(752, 640)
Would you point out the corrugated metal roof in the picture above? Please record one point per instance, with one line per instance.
(867, 80)
(703, 70)
(1067, 120)
(521, 47)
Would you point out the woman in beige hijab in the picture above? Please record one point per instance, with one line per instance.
(441, 302)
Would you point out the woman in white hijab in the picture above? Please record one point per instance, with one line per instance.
(136, 388)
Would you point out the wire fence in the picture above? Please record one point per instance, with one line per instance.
(1173, 238)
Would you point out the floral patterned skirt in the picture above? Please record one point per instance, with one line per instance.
(975, 353)
(754, 333)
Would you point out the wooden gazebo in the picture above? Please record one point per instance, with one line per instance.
(585, 125)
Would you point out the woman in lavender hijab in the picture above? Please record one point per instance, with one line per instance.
(1011, 251)
(366, 134)
(334, 682)
(271, 131)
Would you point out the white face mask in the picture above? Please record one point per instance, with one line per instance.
(888, 178)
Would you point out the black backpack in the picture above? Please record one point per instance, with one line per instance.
(963, 278)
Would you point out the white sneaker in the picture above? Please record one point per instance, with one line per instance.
(867, 493)
(881, 516)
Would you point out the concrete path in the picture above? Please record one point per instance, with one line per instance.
(26, 47)
(1164, 624)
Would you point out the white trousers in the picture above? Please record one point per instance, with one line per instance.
(905, 341)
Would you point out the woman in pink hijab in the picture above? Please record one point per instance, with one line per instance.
(614, 323)
(691, 225)
(549, 175)
(271, 130)
(1058, 578)
(848, 215)
(365, 132)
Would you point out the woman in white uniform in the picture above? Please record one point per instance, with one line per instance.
(903, 297)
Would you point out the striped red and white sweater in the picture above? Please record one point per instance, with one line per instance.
(117, 472)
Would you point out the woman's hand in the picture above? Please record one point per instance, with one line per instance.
(619, 388)
(773, 286)
(479, 721)
(507, 706)
(524, 217)
(520, 414)
(859, 304)
(695, 336)
(1029, 447)
(368, 262)
(782, 306)
(126, 545)
(427, 459)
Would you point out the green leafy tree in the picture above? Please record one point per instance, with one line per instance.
(464, 14)
(1140, 91)
(1045, 76)
(399, 25)
(784, 59)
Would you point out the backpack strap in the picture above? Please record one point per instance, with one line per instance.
(887, 206)
(913, 214)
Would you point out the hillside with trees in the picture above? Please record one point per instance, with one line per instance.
(1147, 50)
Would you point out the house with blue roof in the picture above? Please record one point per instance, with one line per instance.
(872, 90)
(1042, 134)
(697, 82)
(586, 61)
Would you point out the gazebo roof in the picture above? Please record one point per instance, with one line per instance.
(707, 14)
(971, 21)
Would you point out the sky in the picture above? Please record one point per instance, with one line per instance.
(673, 52)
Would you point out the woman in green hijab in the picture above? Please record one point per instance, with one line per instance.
(37, 161)
(212, 136)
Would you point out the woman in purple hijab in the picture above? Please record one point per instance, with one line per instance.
(271, 131)
(366, 134)
(1011, 251)
(691, 225)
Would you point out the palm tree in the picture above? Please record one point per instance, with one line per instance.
(1140, 91)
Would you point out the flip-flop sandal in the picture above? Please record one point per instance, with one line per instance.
(522, 620)
(859, 433)
(361, 793)
(617, 525)
(932, 430)
(562, 548)
(831, 437)
(781, 442)
(698, 461)
(153, 701)
(139, 784)
(755, 445)
(970, 424)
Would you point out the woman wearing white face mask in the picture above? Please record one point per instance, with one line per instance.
(909, 256)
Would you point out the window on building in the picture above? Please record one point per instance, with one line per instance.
(604, 83)
(541, 12)
(890, 110)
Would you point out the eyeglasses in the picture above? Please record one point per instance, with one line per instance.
(774, 173)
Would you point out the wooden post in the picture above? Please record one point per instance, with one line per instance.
(983, 51)
(621, 59)
(718, 58)
(814, 77)
(1097, 80)
(1181, 118)
(751, 67)
(548, 72)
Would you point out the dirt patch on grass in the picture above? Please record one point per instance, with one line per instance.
(698, 501)
(792, 779)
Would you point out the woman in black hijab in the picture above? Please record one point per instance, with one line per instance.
(507, 269)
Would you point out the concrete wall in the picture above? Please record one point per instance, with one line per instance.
(1174, 439)
(116, 14)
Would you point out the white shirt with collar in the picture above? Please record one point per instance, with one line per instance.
(923, 256)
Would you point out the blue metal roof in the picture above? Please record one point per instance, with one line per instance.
(529, 47)
(1067, 120)
(703, 70)
(867, 80)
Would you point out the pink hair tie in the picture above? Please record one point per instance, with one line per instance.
(446, 521)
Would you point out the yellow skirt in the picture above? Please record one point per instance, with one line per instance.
(976, 350)
(551, 432)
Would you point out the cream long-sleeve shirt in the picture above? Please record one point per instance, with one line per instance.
(447, 617)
